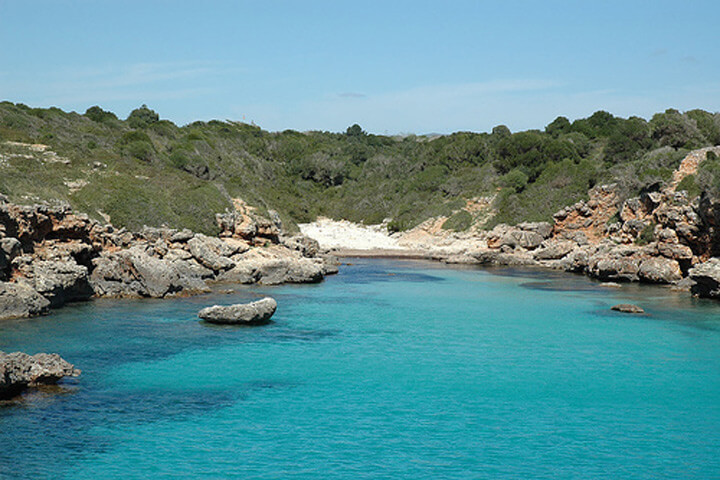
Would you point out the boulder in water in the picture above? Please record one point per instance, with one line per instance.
(254, 313)
(19, 371)
(627, 308)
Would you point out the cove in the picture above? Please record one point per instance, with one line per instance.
(390, 369)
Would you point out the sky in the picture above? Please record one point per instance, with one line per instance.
(391, 66)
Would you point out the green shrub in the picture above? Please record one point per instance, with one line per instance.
(142, 117)
(647, 234)
(689, 185)
(140, 150)
(458, 222)
(514, 179)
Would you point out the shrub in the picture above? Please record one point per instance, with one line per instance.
(689, 185)
(142, 117)
(647, 234)
(140, 150)
(458, 222)
(97, 114)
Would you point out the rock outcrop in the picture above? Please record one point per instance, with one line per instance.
(662, 236)
(19, 371)
(707, 279)
(254, 313)
(50, 256)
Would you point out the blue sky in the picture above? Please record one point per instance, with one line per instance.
(392, 66)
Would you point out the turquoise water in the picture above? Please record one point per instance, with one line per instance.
(388, 370)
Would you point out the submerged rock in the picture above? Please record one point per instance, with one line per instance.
(627, 308)
(19, 371)
(254, 313)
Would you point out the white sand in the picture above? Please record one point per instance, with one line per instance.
(347, 235)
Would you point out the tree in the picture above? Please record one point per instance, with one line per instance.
(675, 129)
(558, 126)
(355, 131)
(142, 117)
(97, 114)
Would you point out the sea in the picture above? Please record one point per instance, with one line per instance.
(392, 369)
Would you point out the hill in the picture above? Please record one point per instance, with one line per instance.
(146, 171)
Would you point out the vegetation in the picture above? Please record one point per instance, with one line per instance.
(144, 170)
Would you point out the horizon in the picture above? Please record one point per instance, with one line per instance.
(404, 68)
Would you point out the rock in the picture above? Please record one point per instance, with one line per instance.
(182, 236)
(254, 313)
(60, 281)
(614, 268)
(627, 308)
(18, 301)
(309, 247)
(19, 371)
(675, 251)
(242, 272)
(684, 285)
(459, 259)
(211, 252)
(275, 272)
(544, 229)
(11, 247)
(133, 273)
(659, 270)
(707, 279)
(553, 250)
(521, 238)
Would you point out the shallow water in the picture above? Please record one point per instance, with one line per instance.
(391, 369)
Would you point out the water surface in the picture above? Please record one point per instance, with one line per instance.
(391, 369)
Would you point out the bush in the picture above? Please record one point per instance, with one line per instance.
(689, 185)
(142, 117)
(97, 114)
(458, 222)
(140, 150)
(647, 234)
(514, 179)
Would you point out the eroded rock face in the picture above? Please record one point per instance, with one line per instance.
(134, 273)
(707, 279)
(19, 371)
(17, 301)
(659, 270)
(50, 256)
(59, 281)
(254, 313)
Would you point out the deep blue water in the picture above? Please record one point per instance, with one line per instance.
(391, 369)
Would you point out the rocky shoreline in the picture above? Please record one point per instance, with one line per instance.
(661, 237)
(50, 256)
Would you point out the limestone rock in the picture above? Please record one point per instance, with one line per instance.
(60, 281)
(134, 273)
(211, 252)
(707, 279)
(254, 313)
(659, 270)
(17, 301)
(627, 308)
(19, 371)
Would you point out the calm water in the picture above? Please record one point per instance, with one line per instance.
(389, 370)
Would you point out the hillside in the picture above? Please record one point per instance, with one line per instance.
(147, 171)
